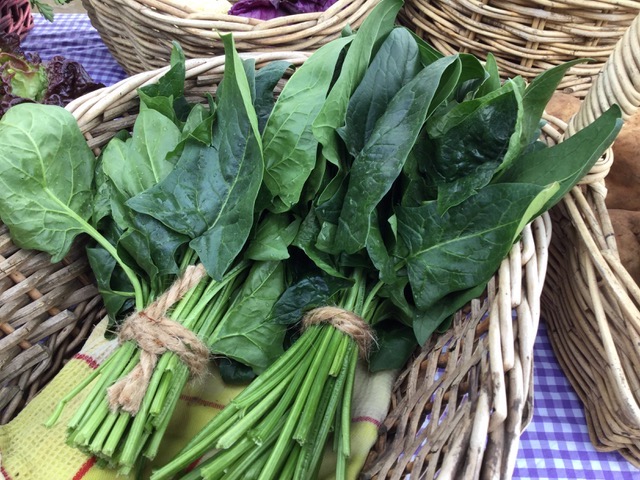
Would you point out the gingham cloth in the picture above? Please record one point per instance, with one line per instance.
(555, 445)
(73, 36)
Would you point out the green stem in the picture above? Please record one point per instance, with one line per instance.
(131, 275)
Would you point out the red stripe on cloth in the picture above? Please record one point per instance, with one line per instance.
(202, 402)
(5, 474)
(87, 359)
(84, 469)
(372, 420)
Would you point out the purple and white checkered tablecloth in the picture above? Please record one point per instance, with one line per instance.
(556, 444)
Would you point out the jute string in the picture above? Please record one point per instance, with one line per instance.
(347, 322)
(156, 334)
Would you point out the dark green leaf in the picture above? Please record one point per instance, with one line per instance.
(568, 161)
(241, 164)
(171, 84)
(468, 144)
(234, 373)
(272, 238)
(426, 322)
(380, 162)
(375, 27)
(537, 95)
(246, 332)
(306, 241)
(492, 81)
(396, 62)
(395, 344)
(290, 149)
(309, 292)
(152, 245)
(266, 80)
(199, 125)
(464, 247)
(113, 284)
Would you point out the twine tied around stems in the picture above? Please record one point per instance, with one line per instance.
(156, 334)
(347, 322)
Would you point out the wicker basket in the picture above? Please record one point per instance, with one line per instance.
(46, 312)
(139, 33)
(526, 36)
(474, 382)
(591, 302)
(15, 17)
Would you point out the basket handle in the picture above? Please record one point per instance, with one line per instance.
(617, 83)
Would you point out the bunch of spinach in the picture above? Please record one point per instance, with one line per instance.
(180, 189)
(428, 169)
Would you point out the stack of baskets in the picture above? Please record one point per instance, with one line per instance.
(591, 303)
(139, 33)
(526, 36)
(15, 17)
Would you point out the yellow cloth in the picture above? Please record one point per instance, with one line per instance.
(31, 451)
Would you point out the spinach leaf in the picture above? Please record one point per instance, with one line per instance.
(46, 174)
(306, 241)
(239, 147)
(535, 99)
(152, 245)
(266, 80)
(426, 322)
(290, 149)
(142, 161)
(113, 285)
(377, 26)
(396, 62)
(492, 81)
(168, 92)
(246, 333)
(568, 161)
(378, 165)
(468, 144)
(395, 344)
(209, 196)
(233, 372)
(199, 125)
(272, 238)
(464, 247)
(306, 293)
(189, 198)
(472, 75)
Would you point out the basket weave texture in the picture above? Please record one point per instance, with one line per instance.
(46, 312)
(15, 17)
(526, 36)
(591, 303)
(473, 383)
(139, 33)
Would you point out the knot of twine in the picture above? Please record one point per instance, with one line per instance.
(156, 334)
(347, 322)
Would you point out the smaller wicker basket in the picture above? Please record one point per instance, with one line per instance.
(15, 17)
(526, 36)
(591, 303)
(139, 33)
